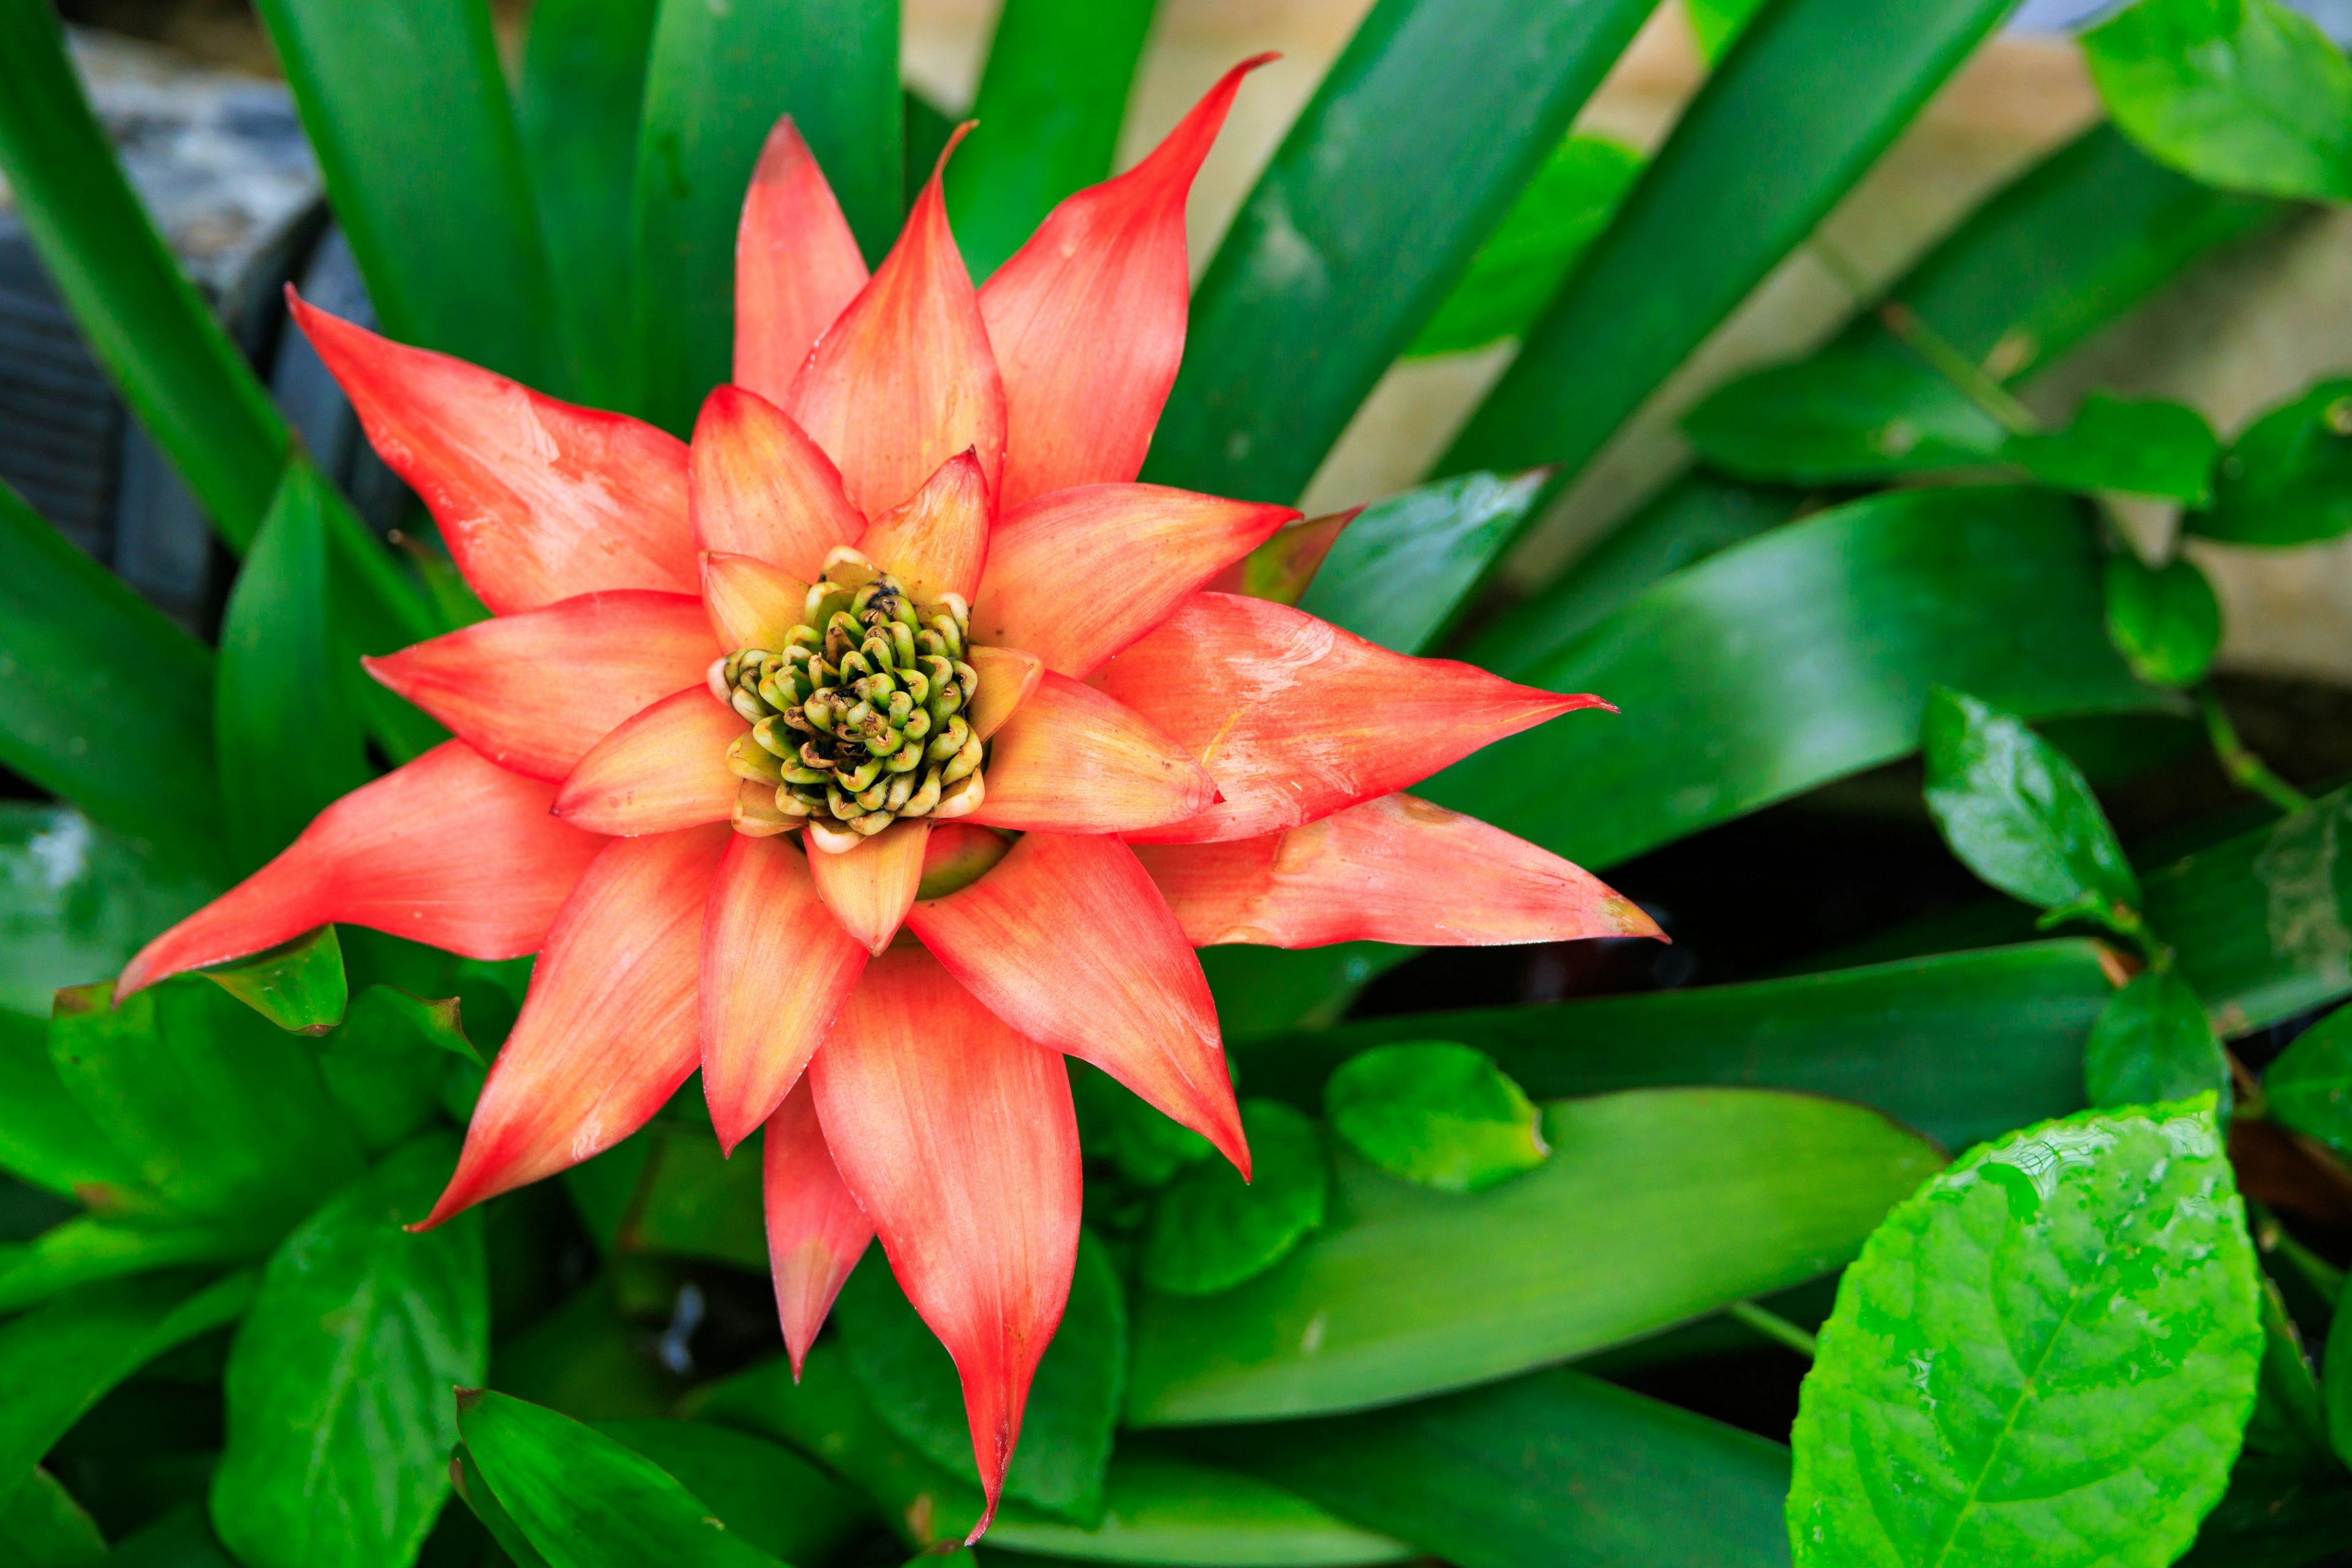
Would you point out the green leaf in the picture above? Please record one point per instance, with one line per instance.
(2241, 93)
(181, 1539)
(1210, 1231)
(1826, 85)
(387, 1064)
(2289, 1418)
(2263, 921)
(1408, 566)
(2165, 621)
(84, 1249)
(588, 1361)
(1658, 1206)
(1116, 1124)
(1842, 416)
(338, 1416)
(45, 1527)
(1261, 990)
(2335, 1385)
(2017, 811)
(1515, 274)
(407, 108)
(2288, 477)
(1552, 1471)
(2309, 1087)
(2147, 446)
(769, 1495)
(1798, 658)
(57, 1361)
(692, 1201)
(584, 82)
(80, 654)
(1961, 1045)
(77, 900)
(46, 1137)
(584, 1499)
(1421, 136)
(288, 746)
(718, 78)
(1051, 101)
(1435, 1112)
(1989, 1390)
(1717, 24)
(298, 985)
(465, 1479)
(2153, 1043)
(221, 1110)
(1066, 1433)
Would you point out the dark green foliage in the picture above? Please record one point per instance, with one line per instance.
(1210, 1231)
(2288, 477)
(2153, 1043)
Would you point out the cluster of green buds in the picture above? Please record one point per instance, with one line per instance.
(862, 717)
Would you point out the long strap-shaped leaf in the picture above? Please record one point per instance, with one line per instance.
(103, 701)
(407, 108)
(1413, 148)
(162, 349)
(720, 77)
(1049, 109)
(1806, 101)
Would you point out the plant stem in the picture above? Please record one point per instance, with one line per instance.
(2271, 1236)
(1773, 1326)
(1932, 346)
(2245, 770)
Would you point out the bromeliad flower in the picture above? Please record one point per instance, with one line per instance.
(882, 748)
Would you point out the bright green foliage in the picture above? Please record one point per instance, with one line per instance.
(340, 1420)
(2164, 620)
(2244, 94)
(1516, 271)
(1484, 1479)
(1656, 1206)
(388, 1063)
(1843, 417)
(2145, 447)
(2018, 814)
(1169, 1509)
(1050, 105)
(2309, 1087)
(77, 900)
(718, 78)
(768, 1494)
(46, 1138)
(1210, 1231)
(1437, 1113)
(465, 1479)
(45, 1527)
(298, 985)
(2288, 477)
(288, 746)
(1718, 24)
(80, 1250)
(584, 1501)
(1990, 1391)
(2154, 1043)
(1405, 569)
(1066, 1433)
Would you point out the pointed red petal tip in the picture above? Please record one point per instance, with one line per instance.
(797, 266)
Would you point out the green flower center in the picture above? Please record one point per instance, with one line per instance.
(861, 718)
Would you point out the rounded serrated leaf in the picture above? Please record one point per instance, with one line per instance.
(1436, 1112)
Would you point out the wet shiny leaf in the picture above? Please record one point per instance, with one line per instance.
(1407, 567)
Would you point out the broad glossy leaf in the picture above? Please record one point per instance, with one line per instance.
(1065, 1432)
(2240, 93)
(340, 1421)
(407, 108)
(2165, 621)
(1516, 271)
(287, 743)
(1989, 1390)
(1421, 135)
(586, 1500)
(83, 1250)
(1552, 1471)
(2145, 447)
(1657, 1206)
(1210, 1231)
(45, 1527)
(1407, 567)
(718, 78)
(1842, 416)
(2309, 1087)
(584, 82)
(221, 1112)
(769, 1495)
(465, 1481)
(2152, 1044)
(2017, 812)
(2288, 477)
(80, 654)
(298, 985)
(77, 900)
(1717, 24)
(46, 1137)
(1436, 1112)
(1264, 990)
(1826, 85)
(57, 1361)
(1050, 105)
(2263, 920)
(1800, 657)
(386, 1065)
(1961, 1045)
